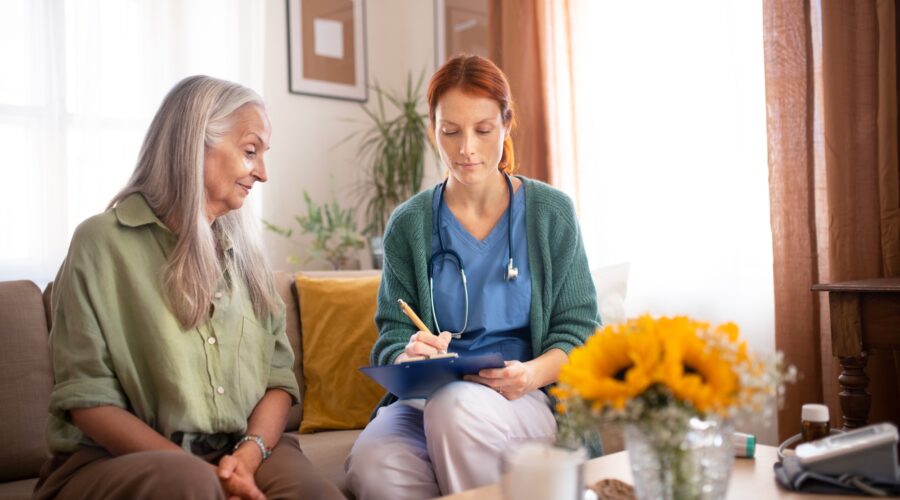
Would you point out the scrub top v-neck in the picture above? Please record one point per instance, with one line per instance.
(499, 310)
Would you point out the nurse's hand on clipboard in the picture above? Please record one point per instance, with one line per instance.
(423, 343)
(512, 382)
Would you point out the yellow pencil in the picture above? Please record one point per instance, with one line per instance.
(412, 316)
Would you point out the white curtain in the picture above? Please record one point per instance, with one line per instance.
(80, 82)
(671, 161)
(671, 155)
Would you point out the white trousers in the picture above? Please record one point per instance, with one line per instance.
(451, 446)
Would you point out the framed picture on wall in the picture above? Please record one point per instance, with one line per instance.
(461, 27)
(327, 49)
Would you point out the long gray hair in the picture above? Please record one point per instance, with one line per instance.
(195, 115)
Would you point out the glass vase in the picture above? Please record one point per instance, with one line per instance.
(691, 461)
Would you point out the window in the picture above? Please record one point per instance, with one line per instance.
(671, 147)
(82, 79)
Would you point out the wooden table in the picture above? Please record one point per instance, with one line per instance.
(751, 479)
(864, 315)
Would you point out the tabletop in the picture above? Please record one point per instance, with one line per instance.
(751, 478)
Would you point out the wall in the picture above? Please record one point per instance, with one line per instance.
(305, 129)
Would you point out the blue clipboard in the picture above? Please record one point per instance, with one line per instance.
(419, 379)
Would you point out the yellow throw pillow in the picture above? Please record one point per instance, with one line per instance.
(337, 316)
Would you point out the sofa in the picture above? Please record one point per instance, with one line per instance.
(26, 379)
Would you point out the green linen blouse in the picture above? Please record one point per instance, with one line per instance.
(114, 340)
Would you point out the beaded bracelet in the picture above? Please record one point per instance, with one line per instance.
(266, 452)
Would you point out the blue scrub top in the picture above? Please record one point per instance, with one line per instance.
(499, 310)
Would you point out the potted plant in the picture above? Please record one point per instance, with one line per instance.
(334, 231)
(392, 150)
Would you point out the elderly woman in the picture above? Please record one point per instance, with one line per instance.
(173, 370)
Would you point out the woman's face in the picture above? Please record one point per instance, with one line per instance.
(235, 163)
(470, 133)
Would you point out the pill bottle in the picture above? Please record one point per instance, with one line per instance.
(814, 422)
(744, 444)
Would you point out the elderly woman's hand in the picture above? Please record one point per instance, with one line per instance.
(236, 476)
(512, 382)
(425, 344)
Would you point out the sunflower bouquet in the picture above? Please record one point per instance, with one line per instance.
(660, 378)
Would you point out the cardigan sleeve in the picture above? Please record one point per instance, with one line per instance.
(573, 312)
(397, 282)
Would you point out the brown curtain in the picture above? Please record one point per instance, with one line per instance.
(517, 48)
(831, 98)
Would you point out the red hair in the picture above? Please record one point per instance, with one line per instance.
(479, 76)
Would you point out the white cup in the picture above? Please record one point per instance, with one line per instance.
(540, 471)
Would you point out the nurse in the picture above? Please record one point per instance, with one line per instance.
(495, 263)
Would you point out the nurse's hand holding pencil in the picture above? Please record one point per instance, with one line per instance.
(423, 342)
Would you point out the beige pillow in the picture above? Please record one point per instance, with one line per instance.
(337, 318)
(611, 283)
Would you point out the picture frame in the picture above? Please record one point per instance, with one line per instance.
(327, 49)
(461, 26)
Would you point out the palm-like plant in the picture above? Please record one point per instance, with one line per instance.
(394, 150)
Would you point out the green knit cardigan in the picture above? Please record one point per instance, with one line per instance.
(563, 299)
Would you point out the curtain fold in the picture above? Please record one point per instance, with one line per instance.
(888, 170)
(559, 92)
(831, 97)
(517, 48)
(789, 123)
(850, 93)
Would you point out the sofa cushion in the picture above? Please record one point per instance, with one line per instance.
(17, 490)
(284, 285)
(48, 309)
(337, 317)
(25, 380)
(328, 451)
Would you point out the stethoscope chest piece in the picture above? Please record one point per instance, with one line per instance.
(512, 272)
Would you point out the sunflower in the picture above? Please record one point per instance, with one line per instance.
(694, 370)
(728, 335)
(658, 372)
(615, 365)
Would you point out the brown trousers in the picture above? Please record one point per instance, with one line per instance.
(173, 475)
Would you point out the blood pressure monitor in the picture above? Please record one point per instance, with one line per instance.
(870, 451)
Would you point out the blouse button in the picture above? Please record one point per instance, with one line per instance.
(218, 295)
(220, 390)
(211, 340)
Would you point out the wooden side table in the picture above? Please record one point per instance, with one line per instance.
(864, 315)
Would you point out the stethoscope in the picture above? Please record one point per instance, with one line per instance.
(512, 272)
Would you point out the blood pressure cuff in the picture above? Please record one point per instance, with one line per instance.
(791, 476)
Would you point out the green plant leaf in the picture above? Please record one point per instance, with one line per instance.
(332, 227)
(286, 232)
(392, 150)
